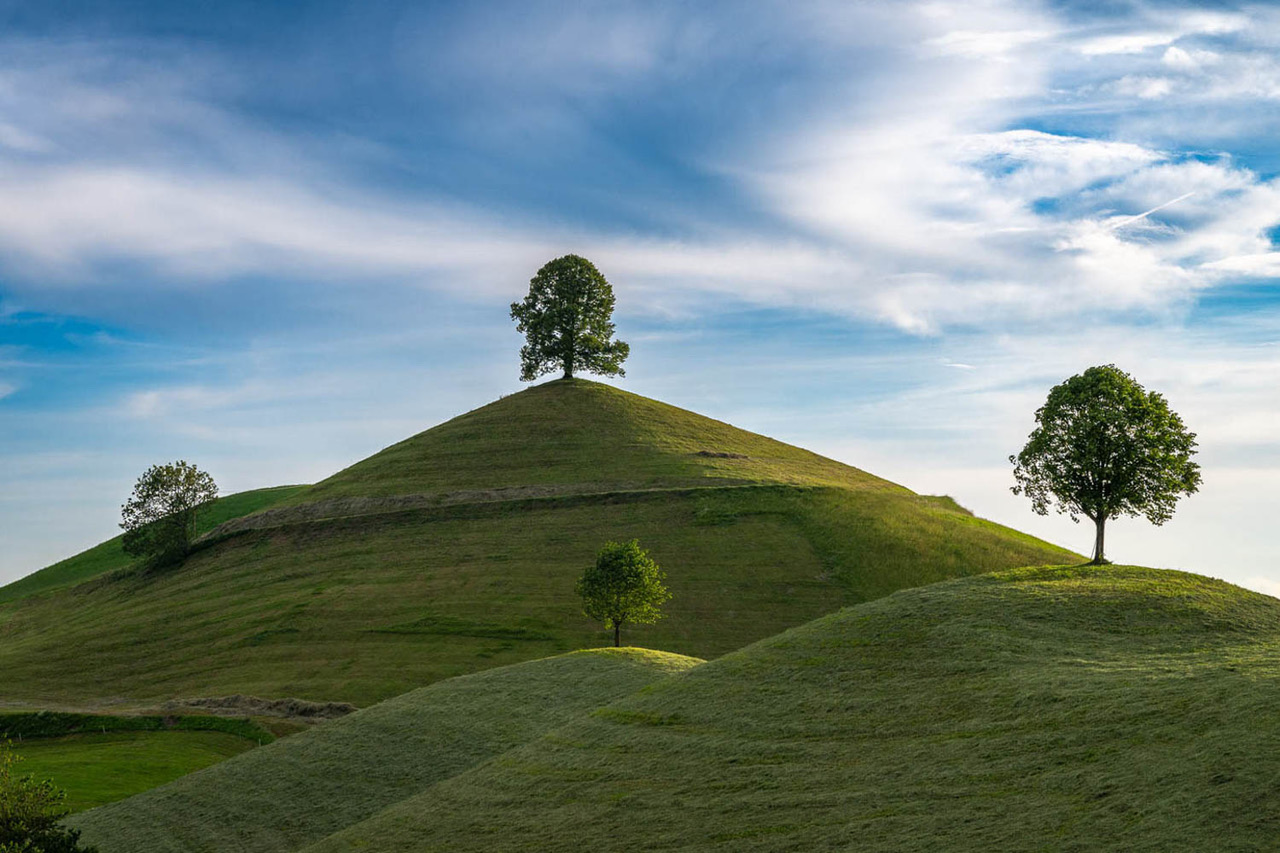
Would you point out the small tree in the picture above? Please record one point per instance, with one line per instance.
(624, 585)
(566, 321)
(30, 812)
(159, 519)
(1105, 447)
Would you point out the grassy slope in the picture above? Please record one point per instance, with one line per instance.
(1038, 709)
(109, 556)
(102, 768)
(302, 788)
(578, 432)
(363, 608)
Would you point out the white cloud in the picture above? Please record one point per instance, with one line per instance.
(903, 202)
(1143, 87)
(1258, 265)
(1125, 43)
(61, 221)
(987, 43)
(1192, 60)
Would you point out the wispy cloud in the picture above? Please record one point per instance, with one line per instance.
(909, 209)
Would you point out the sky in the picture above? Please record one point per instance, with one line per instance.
(273, 238)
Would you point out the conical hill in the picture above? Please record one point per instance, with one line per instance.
(458, 549)
(580, 433)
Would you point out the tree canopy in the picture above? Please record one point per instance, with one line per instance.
(566, 321)
(624, 585)
(159, 519)
(1105, 447)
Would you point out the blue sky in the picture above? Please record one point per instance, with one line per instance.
(274, 238)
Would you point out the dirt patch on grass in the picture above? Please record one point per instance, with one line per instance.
(259, 707)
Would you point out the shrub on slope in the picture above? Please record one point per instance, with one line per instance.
(299, 789)
(1040, 709)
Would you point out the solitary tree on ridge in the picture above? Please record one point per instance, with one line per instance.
(1105, 447)
(566, 321)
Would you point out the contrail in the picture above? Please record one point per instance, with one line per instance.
(1132, 219)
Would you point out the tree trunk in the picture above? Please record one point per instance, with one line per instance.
(572, 340)
(617, 634)
(1099, 540)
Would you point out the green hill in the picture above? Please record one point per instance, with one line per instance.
(110, 556)
(576, 433)
(457, 550)
(304, 787)
(1038, 709)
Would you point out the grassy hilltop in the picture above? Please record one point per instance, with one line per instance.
(1081, 708)
(457, 550)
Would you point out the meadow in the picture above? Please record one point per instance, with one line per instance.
(302, 788)
(883, 670)
(1061, 708)
(374, 599)
(1073, 708)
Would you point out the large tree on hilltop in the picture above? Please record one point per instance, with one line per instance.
(566, 321)
(1105, 447)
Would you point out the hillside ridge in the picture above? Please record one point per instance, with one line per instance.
(458, 549)
(300, 789)
(1068, 707)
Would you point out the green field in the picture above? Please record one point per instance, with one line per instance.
(102, 768)
(348, 593)
(1039, 709)
(1068, 708)
(304, 787)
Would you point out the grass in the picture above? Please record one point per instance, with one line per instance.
(1077, 708)
(363, 609)
(302, 788)
(109, 556)
(757, 539)
(49, 724)
(95, 769)
(574, 431)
